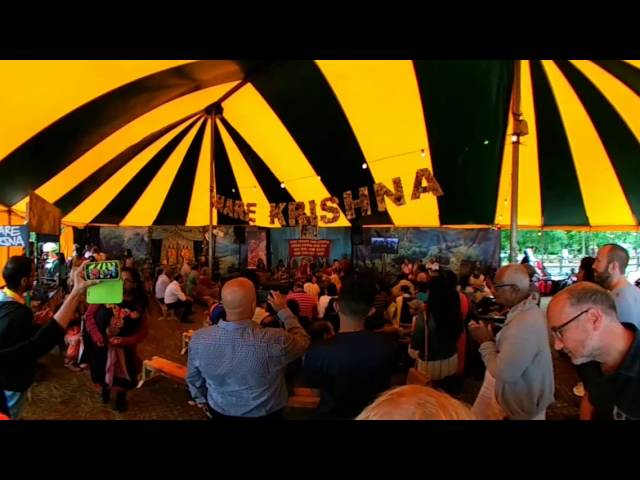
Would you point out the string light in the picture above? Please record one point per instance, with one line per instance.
(514, 138)
(365, 166)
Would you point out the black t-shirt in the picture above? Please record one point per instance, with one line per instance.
(350, 369)
(615, 395)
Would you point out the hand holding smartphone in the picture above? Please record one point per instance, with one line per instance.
(109, 290)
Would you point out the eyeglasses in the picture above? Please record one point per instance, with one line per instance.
(505, 285)
(557, 330)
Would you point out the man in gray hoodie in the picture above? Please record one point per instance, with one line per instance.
(519, 380)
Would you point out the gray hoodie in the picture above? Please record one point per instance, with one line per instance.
(520, 361)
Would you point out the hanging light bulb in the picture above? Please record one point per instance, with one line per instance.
(514, 138)
(233, 190)
(255, 189)
(282, 185)
(319, 178)
(364, 165)
(422, 153)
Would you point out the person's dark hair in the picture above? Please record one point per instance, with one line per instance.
(262, 297)
(159, 271)
(60, 257)
(618, 254)
(586, 265)
(332, 290)
(294, 306)
(405, 289)
(423, 287)
(444, 305)
(357, 294)
(450, 278)
(17, 268)
(128, 253)
(318, 329)
(92, 258)
(139, 293)
(177, 277)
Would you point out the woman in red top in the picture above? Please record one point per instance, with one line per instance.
(116, 330)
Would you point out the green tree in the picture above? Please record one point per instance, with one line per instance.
(578, 243)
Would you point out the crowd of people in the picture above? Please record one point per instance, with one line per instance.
(372, 350)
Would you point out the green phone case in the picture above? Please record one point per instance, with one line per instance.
(108, 291)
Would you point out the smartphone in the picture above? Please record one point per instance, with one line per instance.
(107, 270)
(109, 290)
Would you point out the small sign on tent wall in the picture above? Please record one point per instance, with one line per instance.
(14, 236)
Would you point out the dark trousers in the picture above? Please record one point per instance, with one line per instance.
(185, 306)
(277, 415)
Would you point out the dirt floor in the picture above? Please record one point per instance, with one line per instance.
(59, 394)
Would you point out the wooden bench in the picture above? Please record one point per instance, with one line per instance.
(161, 366)
(186, 339)
(304, 398)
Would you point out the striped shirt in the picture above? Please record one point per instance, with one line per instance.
(307, 303)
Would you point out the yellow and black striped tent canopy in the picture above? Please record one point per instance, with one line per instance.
(130, 142)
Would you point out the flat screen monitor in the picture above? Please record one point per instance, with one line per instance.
(384, 245)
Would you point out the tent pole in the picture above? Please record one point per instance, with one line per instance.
(515, 142)
(212, 191)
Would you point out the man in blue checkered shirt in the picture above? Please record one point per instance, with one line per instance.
(236, 367)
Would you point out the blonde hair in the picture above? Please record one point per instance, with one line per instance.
(415, 402)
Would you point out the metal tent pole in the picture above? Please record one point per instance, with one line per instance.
(515, 142)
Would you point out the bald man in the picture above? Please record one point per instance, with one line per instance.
(236, 367)
(585, 325)
(519, 380)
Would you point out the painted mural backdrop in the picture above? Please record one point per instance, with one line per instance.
(227, 249)
(115, 240)
(459, 250)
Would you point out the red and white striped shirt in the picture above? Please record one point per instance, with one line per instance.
(308, 304)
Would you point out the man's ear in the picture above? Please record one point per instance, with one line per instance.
(597, 318)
